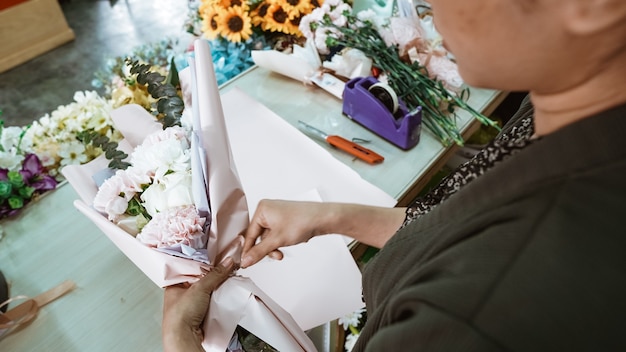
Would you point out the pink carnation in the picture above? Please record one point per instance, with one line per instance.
(173, 226)
(113, 196)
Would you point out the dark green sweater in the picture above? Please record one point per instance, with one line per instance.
(531, 256)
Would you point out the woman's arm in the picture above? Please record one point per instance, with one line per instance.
(281, 223)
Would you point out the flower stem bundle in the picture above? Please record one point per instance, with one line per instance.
(409, 80)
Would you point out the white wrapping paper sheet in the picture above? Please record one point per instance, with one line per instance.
(275, 160)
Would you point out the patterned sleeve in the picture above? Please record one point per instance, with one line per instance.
(514, 136)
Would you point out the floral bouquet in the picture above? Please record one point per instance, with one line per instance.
(22, 176)
(164, 198)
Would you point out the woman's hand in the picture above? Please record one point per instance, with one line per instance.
(185, 306)
(279, 223)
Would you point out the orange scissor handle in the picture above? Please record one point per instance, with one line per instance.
(355, 149)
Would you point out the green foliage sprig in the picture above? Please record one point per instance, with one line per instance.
(410, 81)
(109, 148)
(169, 105)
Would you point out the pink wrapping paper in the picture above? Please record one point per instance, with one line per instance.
(163, 269)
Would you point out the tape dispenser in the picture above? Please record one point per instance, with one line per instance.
(375, 106)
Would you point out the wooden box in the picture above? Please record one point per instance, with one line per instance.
(29, 29)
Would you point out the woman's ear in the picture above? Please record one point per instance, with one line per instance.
(588, 17)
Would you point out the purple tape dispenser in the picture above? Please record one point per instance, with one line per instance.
(375, 105)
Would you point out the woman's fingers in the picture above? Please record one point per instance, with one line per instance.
(260, 250)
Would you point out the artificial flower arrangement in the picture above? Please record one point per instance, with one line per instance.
(237, 20)
(404, 51)
(234, 28)
(53, 137)
(22, 176)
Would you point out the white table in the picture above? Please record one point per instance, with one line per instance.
(403, 173)
(115, 307)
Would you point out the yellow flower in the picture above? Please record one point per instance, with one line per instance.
(276, 19)
(210, 24)
(235, 23)
(293, 26)
(259, 13)
(225, 4)
(297, 7)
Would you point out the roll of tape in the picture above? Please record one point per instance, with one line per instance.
(385, 94)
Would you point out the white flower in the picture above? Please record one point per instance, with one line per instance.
(316, 16)
(10, 137)
(163, 152)
(351, 341)
(321, 34)
(172, 190)
(11, 160)
(55, 133)
(332, 3)
(337, 14)
(351, 319)
(368, 15)
(72, 153)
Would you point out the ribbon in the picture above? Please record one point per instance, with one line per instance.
(26, 312)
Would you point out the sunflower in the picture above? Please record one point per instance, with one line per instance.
(297, 7)
(276, 19)
(294, 24)
(210, 25)
(225, 4)
(259, 13)
(235, 23)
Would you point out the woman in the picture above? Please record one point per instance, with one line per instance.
(524, 252)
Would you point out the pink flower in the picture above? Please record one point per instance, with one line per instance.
(173, 226)
(113, 196)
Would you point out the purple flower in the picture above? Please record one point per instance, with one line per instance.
(20, 186)
(32, 172)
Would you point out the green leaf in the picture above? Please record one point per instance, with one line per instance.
(172, 76)
(169, 104)
(109, 148)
